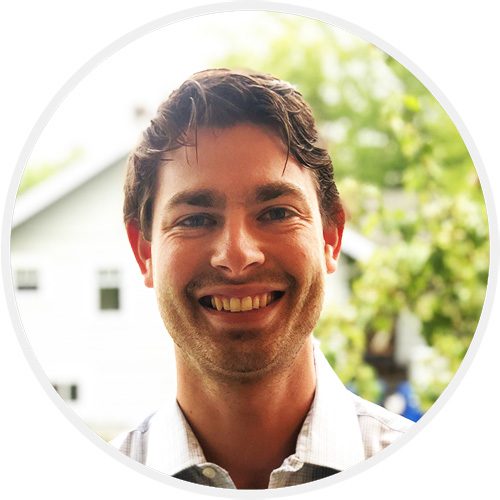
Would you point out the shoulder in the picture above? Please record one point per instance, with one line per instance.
(379, 427)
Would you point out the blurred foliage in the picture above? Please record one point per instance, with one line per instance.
(408, 183)
(35, 174)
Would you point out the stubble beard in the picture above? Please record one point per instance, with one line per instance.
(240, 355)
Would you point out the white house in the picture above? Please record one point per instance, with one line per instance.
(93, 325)
(89, 319)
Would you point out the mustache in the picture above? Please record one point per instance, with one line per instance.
(213, 278)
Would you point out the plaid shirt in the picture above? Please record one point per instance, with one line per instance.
(340, 430)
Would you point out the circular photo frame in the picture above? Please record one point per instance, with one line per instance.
(400, 314)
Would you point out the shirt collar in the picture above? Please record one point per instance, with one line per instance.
(330, 435)
(172, 445)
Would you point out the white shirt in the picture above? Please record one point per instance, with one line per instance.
(340, 430)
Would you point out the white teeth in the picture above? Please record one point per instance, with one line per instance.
(246, 304)
(237, 304)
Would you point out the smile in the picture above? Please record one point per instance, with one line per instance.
(240, 304)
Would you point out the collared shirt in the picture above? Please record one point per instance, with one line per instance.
(340, 430)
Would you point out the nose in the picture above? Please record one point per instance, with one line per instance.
(237, 249)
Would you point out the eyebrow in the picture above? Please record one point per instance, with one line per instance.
(198, 198)
(277, 189)
(208, 198)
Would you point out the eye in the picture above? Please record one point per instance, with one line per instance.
(197, 221)
(276, 214)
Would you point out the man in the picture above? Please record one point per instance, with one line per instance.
(234, 219)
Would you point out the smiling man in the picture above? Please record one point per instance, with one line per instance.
(234, 219)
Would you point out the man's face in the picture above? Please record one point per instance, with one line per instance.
(238, 252)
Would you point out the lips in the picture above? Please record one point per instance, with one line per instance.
(240, 304)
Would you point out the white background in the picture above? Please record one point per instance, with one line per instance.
(43, 43)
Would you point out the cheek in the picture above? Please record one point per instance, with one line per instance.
(173, 265)
(303, 254)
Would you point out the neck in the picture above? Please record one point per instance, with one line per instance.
(248, 428)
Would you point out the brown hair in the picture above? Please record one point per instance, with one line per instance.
(221, 98)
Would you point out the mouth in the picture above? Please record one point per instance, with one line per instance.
(228, 304)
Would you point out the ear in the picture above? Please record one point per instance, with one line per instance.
(332, 235)
(142, 251)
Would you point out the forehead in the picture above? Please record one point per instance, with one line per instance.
(234, 163)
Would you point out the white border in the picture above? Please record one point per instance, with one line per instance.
(279, 7)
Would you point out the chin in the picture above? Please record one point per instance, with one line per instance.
(247, 364)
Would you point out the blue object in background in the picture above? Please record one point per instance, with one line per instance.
(403, 401)
(411, 411)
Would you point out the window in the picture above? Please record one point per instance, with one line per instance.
(69, 392)
(27, 279)
(109, 289)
